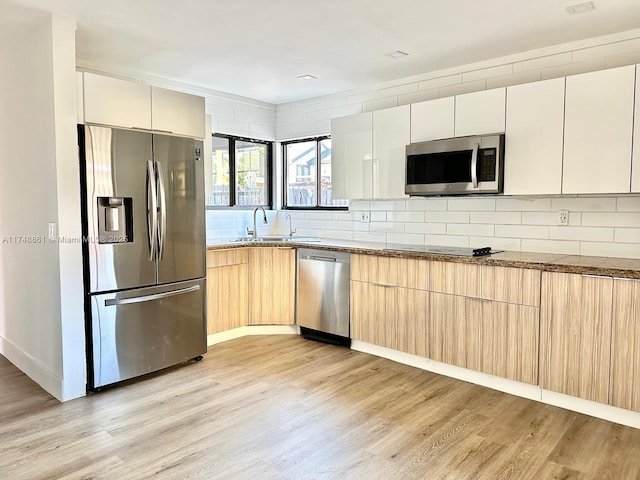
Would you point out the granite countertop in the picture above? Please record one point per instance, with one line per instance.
(550, 262)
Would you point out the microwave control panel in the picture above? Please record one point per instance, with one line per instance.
(486, 165)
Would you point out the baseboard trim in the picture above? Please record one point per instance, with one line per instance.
(252, 330)
(532, 392)
(32, 368)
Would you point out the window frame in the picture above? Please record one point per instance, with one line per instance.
(269, 177)
(285, 176)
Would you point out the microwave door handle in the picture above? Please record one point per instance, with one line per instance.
(474, 165)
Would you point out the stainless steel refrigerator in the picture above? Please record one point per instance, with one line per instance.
(144, 252)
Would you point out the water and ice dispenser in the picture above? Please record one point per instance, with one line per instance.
(115, 219)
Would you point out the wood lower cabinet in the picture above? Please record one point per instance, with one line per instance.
(272, 286)
(625, 345)
(509, 336)
(390, 302)
(227, 294)
(454, 329)
(575, 340)
(389, 316)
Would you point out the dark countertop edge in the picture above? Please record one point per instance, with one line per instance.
(547, 262)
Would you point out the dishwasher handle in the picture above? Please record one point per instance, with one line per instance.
(322, 259)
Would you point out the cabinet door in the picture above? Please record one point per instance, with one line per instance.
(509, 341)
(373, 318)
(599, 131)
(533, 138)
(227, 289)
(479, 113)
(412, 315)
(177, 112)
(635, 168)
(401, 272)
(432, 120)
(271, 286)
(391, 135)
(454, 330)
(575, 340)
(118, 103)
(625, 345)
(351, 156)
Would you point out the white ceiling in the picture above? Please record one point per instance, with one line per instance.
(258, 48)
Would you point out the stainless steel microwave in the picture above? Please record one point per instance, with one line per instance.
(455, 166)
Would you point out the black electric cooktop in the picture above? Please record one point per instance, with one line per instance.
(441, 250)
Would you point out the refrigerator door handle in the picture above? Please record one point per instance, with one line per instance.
(152, 211)
(163, 210)
(147, 298)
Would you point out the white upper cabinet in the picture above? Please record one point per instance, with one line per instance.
(391, 135)
(479, 113)
(533, 138)
(351, 156)
(178, 113)
(599, 131)
(432, 120)
(635, 167)
(110, 101)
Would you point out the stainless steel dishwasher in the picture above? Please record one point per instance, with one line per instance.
(322, 299)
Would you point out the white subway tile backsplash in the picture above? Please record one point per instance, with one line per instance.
(627, 235)
(511, 218)
(550, 246)
(446, 217)
(345, 110)
(542, 62)
(440, 82)
(592, 234)
(523, 204)
(405, 216)
(472, 204)
(513, 79)
(448, 240)
(539, 218)
(463, 88)
(628, 204)
(426, 204)
(475, 229)
(432, 228)
(387, 227)
(390, 205)
(620, 250)
(419, 96)
(572, 69)
(495, 243)
(584, 204)
(405, 238)
(522, 231)
(498, 71)
(363, 97)
(399, 90)
(317, 115)
(590, 219)
(386, 102)
(607, 50)
(374, 216)
(370, 237)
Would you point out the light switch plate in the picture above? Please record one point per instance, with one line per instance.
(365, 217)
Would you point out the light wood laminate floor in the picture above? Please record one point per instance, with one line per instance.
(281, 407)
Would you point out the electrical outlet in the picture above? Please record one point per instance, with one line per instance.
(563, 217)
(365, 217)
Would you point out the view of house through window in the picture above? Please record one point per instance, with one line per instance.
(241, 172)
(308, 186)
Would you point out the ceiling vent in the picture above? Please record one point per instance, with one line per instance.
(396, 54)
(581, 8)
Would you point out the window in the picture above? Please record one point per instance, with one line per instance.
(306, 185)
(241, 171)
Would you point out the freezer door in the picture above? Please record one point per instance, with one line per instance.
(140, 331)
(181, 217)
(115, 164)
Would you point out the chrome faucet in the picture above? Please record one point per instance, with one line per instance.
(291, 230)
(254, 232)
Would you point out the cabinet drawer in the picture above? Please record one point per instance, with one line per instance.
(222, 258)
(511, 285)
(455, 278)
(397, 272)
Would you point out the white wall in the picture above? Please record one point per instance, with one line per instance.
(38, 159)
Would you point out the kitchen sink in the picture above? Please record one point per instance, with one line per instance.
(275, 238)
